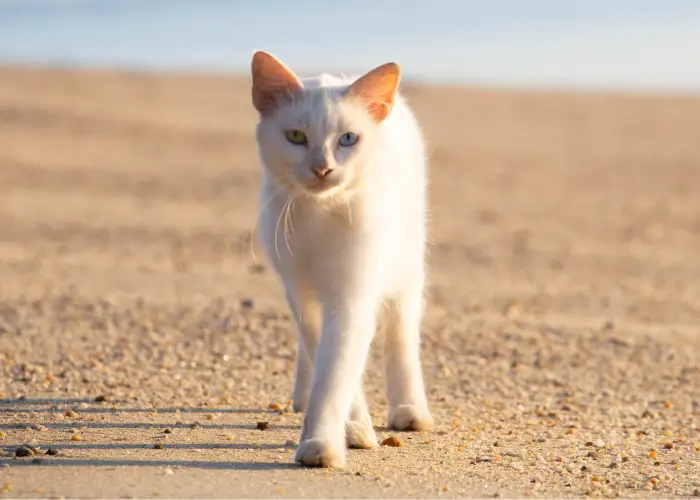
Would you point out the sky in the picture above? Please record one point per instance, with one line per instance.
(596, 44)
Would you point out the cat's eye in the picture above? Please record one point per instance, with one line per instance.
(296, 137)
(348, 139)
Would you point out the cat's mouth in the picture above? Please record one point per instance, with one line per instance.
(321, 187)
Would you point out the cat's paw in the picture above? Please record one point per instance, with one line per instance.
(360, 436)
(410, 418)
(299, 405)
(300, 397)
(319, 453)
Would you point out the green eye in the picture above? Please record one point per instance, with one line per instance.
(296, 137)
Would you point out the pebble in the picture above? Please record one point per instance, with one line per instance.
(158, 446)
(24, 451)
(262, 426)
(52, 451)
(392, 441)
(71, 414)
(167, 431)
(101, 399)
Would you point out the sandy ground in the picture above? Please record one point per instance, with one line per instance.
(562, 337)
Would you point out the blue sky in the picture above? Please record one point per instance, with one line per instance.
(608, 44)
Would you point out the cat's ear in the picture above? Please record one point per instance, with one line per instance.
(378, 89)
(272, 82)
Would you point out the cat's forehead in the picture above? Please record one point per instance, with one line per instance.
(322, 106)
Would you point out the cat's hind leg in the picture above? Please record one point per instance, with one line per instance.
(408, 406)
(303, 378)
(359, 432)
(305, 310)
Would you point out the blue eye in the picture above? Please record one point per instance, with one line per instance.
(348, 139)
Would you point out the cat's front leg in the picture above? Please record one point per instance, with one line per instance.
(348, 328)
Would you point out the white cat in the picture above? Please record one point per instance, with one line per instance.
(343, 221)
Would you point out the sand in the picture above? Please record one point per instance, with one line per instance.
(561, 342)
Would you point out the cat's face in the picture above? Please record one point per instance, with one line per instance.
(316, 140)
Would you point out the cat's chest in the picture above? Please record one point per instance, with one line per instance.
(302, 233)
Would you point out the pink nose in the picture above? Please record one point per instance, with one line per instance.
(321, 171)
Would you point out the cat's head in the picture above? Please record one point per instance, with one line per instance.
(315, 136)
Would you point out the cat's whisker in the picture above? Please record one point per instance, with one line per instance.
(251, 237)
(287, 223)
(277, 227)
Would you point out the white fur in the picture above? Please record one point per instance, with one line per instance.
(345, 255)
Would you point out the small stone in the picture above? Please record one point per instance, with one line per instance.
(696, 492)
(71, 414)
(52, 451)
(274, 406)
(210, 417)
(668, 446)
(599, 443)
(263, 426)
(158, 446)
(513, 309)
(247, 303)
(289, 443)
(24, 451)
(101, 399)
(392, 441)
(167, 431)
(76, 437)
(592, 454)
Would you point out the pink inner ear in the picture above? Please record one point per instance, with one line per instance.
(378, 89)
(272, 82)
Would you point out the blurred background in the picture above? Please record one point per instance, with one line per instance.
(564, 262)
(622, 44)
